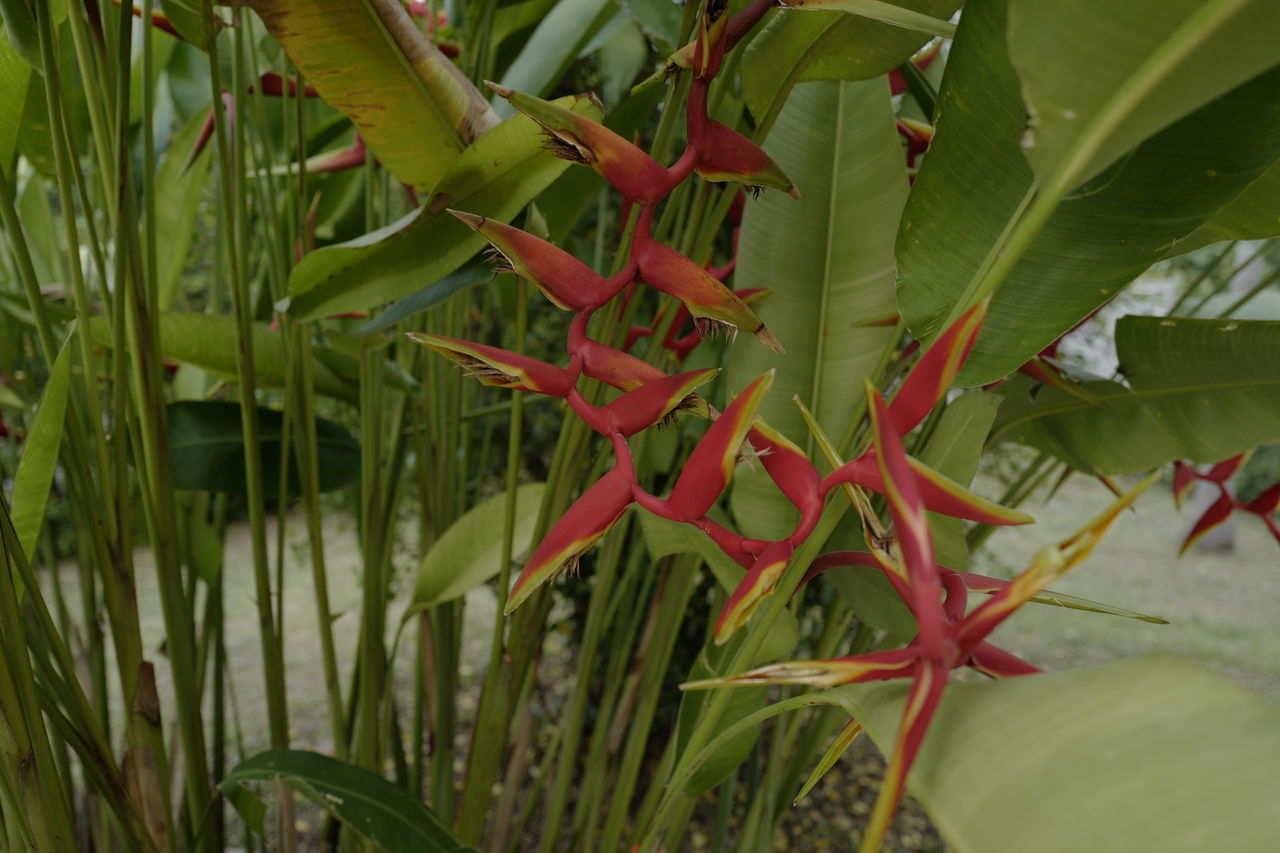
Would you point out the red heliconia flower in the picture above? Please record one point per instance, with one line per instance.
(1263, 506)
(936, 370)
(1184, 477)
(711, 464)
(790, 469)
(566, 281)
(578, 139)
(1217, 514)
(587, 520)
(704, 296)
(938, 492)
(759, 581)
(726, 155)
(650, 403)
(497, 367)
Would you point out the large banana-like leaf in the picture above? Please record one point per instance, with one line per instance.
(797, 47)
(1252, 215)
(15, 73)
(553, 47)
(974, 191)
(1099, 76)
(1198, 389)
(1145, 754)
(496, 177)
(414, 108)
(828, 258)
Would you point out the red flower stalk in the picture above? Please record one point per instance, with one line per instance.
(566, 281)
(497, 367)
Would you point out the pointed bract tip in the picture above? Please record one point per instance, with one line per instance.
(501, 91)
(766, 337)
(793, 192)
(472, 220)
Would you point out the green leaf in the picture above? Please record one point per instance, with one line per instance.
(15, 73)
(362, 800)
(413, 107)
(470, 551)
(1099, 77)
(188, 18)
(973, 191)
(39, 457)
(954, 448)
(206, 445)
(1145, 754)
(660, 19)
(800, 47)
(9, 399)
(553, 47)
(20, 26)
(495, 177)
(897, 15)
(1252, 215)
(829, 258)
(209, 341)
(468, 275)
(718, 764)
(1198, 389)
(178, 184)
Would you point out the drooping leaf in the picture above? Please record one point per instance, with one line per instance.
(829, 255)
(209, 341)
(895, 14)
(553, 47)
(178, 183)
(206, 445)
(413, 107)
(469, 552)
(1198, 389)
(495, 177)
(14, 76)
(39, 457)
(973, 190)
(365, 802)
(1144, 754)
(799, 47)
(1100, 77)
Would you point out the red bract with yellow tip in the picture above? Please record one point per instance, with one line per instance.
(587, 520)
(566, 281)
(497, 367)
(647, 405)
(726, 155)
(705, 296)
(710, 466)
(580, 140)
(759, 581)
(936, 370)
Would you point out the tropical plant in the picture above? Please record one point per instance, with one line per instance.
(237, 237)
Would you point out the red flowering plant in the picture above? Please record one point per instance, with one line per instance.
(947, 637)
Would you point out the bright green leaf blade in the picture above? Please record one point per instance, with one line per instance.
(206, 444)
(894, 14)
(470, 551)
(795, 47)
(414, 108)
(973, 186)
(553, 47)
(39, 457)
(828, 257)
(1252, 215)
(1146, 754)
(1075, 602)
(1199, 389)
(209, 341)
(178, 183)
(14, 76)
(495, 177)
(1099, 77)
(9, 399)
(954, 448)
(364, 801)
